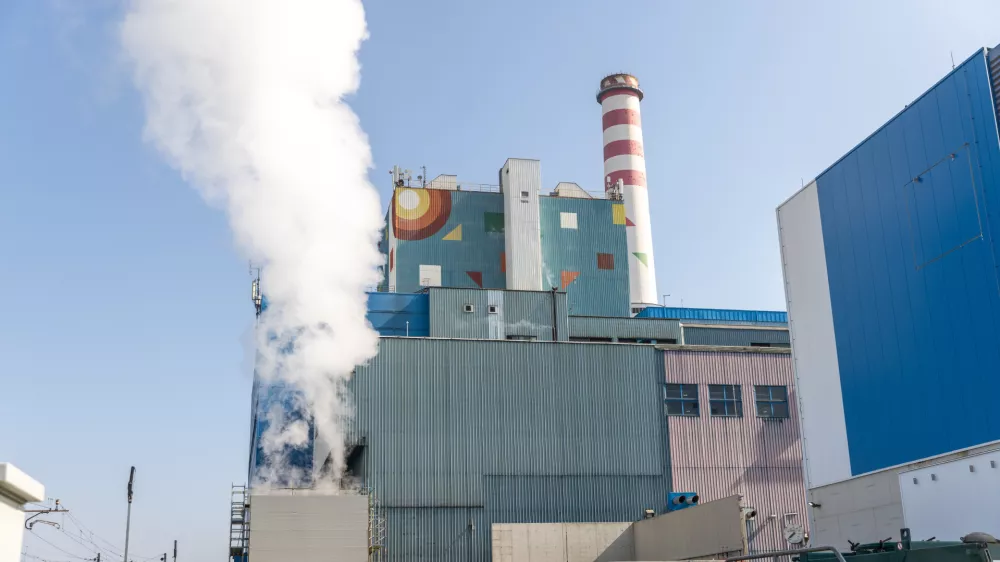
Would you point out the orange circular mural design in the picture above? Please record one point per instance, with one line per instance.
(418, 213)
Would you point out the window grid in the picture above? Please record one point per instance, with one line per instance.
(725, 400)
(680, 400)
(772, 401)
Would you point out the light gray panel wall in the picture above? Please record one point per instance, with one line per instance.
(863, 509)
(562, 542)
(661, 330)
(709, 529)
(954, 498)
(518, 313)
(520, 181)
(744, 336)
(308, 528)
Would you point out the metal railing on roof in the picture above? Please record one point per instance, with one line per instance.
(492, 188)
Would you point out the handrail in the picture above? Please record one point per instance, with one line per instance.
(840, 557)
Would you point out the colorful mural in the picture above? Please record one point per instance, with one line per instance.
(420, 213)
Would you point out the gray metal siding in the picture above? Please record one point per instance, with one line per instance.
(609, 327)
(500, 431)
(734, 336)
(519, 313)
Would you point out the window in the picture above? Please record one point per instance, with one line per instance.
(524, 194)
(468, 308)
(754, 344)
(522, 338)
(772, 401)
(725, 400)
(492, 309)
(681, 399)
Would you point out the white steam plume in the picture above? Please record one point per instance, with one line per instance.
(245, 98)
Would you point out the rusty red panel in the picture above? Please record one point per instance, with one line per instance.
(758, 458)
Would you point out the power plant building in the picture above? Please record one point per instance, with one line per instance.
(525, 375)
(890, 266)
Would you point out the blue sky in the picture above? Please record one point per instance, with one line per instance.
(126, 306)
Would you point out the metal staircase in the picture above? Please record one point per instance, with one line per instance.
(239, 527)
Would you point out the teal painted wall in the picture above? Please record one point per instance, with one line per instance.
(594, 292)
(479, 250)
(479, 431)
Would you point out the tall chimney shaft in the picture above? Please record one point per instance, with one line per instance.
(619, 97)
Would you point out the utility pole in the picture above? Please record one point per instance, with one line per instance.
(175, 550)
(98, 559)
(164, 558)
(128, 517)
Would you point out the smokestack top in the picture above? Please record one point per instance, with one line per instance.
(619, 83)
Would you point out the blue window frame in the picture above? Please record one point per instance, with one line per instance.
(772, 401)
(725, 400)
(681, 399)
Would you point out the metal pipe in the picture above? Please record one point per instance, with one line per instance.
(128, 516)
(840, 557)
(555, 317)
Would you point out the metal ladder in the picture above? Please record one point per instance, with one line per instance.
(239, 526)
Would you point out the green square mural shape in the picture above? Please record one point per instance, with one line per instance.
(493, 222)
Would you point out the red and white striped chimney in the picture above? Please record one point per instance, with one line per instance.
(623, 160)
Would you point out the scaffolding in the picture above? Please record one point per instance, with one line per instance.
(376, 526)
(239, 526)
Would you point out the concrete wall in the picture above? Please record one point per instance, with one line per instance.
(877, 505)
(562, 542)
(308, 528)
(713, 529)
(814, 344)
(16, 489)
(952, 499)
(863, 509)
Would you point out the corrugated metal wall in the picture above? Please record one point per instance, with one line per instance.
(758, 458)
(642, 328)
(520, 182)
(570, 255)
(716, 315)
(703, 335)
(465, 431)
(519, 313)
(468, 247)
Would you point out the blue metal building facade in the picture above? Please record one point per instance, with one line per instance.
(910, 230)
(461, 434)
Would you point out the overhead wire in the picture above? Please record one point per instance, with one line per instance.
(25, 555)
(60, 549)
(114, 550)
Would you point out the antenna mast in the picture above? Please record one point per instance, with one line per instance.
(255, 294)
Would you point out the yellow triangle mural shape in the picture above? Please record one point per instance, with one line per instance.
(455, 234)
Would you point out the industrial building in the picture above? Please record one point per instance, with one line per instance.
(526, 375)
(890, 269)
